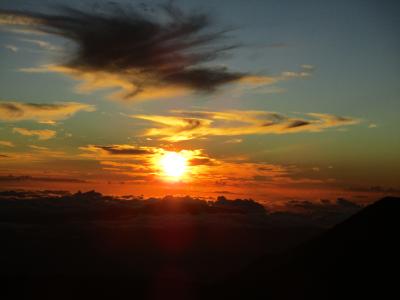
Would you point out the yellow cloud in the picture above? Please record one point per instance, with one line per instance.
(129, 82)
(44, 134)
(186, 125)
(43, 113)
(7, 144)
(14, 19)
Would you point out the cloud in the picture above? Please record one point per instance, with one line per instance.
(324, 211)
(186, 125)
(39, 148)
(12, 178)
(43, 134)
(305, 71)
(7, 144)
(124, 150)
(12, 48)
(167, 50)
(11, 111)
(42, 44)
(233, 141)
(144, 161)
(203, 161)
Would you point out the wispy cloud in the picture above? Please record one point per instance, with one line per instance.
(186, 125)
(12, 48)
(42, 134)
(39, 148)
(98, 80)
(19, 178)
(42, 44)
(234, 141)
(11, 111)
(7, 144)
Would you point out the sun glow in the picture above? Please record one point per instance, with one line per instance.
(173, 164)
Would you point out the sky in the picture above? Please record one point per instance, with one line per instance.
(270, 100)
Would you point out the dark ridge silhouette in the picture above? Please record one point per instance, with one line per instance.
(356, 259)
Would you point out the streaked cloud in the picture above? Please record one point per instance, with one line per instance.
(12, 48)
(119, 150)
(11, 111)
(305, 71)
(114, 150)
(41, 134)
(186, 125)
(7, 144)
(100, 80)
(23, 178)
(39, 148)
(42, 44)
(234, 141)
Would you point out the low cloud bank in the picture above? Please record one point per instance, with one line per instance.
(60, 205)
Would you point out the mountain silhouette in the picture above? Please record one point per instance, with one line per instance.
(356, 259)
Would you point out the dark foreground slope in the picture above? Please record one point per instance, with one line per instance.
(357, 259)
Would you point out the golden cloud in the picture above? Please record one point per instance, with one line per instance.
(7, 144)
(186, 125)
(11, 111)
(43, 134)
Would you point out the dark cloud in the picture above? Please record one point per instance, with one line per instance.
(323, 205)
(375, 189)
(163, 46)
(191, 124)
(202, 161)
(262, 178)
(25, 194)
(122, 206)
(341, 202)
(11, 178)
(11, 107)
(124, 151)
(240, 205)
(323, 213)
(298, 123)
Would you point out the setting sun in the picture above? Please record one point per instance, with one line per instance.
(173, 164)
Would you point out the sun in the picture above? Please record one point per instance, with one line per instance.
(173, 164)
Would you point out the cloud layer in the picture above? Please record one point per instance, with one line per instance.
(11, 111)
(186, 125)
